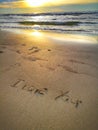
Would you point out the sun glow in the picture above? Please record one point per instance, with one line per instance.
(35, 3)
(36, 33)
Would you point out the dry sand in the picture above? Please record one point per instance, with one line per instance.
(48, 82)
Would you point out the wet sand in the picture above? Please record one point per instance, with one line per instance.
(48, 81)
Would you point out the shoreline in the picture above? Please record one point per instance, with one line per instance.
(48, 83)
(70, 37)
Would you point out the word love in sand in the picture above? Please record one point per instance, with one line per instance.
(64, 96)
(24, 86)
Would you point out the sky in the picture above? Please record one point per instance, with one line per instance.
(38, 6)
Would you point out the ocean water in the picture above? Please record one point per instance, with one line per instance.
(70, 22)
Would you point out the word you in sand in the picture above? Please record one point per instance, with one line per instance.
(64, 96)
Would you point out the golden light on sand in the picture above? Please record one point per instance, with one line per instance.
(36, 33)
(36, 3)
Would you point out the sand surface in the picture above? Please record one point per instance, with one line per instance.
(48, 82)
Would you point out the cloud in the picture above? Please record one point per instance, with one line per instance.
(13, 4)
(23, 4)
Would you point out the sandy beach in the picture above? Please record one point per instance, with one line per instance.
(48, 81)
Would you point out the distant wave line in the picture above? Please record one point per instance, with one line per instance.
(53, 13)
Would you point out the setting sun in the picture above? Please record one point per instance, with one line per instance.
(36, 3)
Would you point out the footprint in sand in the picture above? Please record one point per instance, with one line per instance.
(23, 44)
(19, 83)
(18, 51)
(1, 52)
(83, 63)
(51, 68)
(72, 70)
(3, 47)
(76, 61)
(11, 67)
(33, 58)
(63, 95)
(49, 49)
(68, 68)
(76, 103)
(34, 47)
(33, 50)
